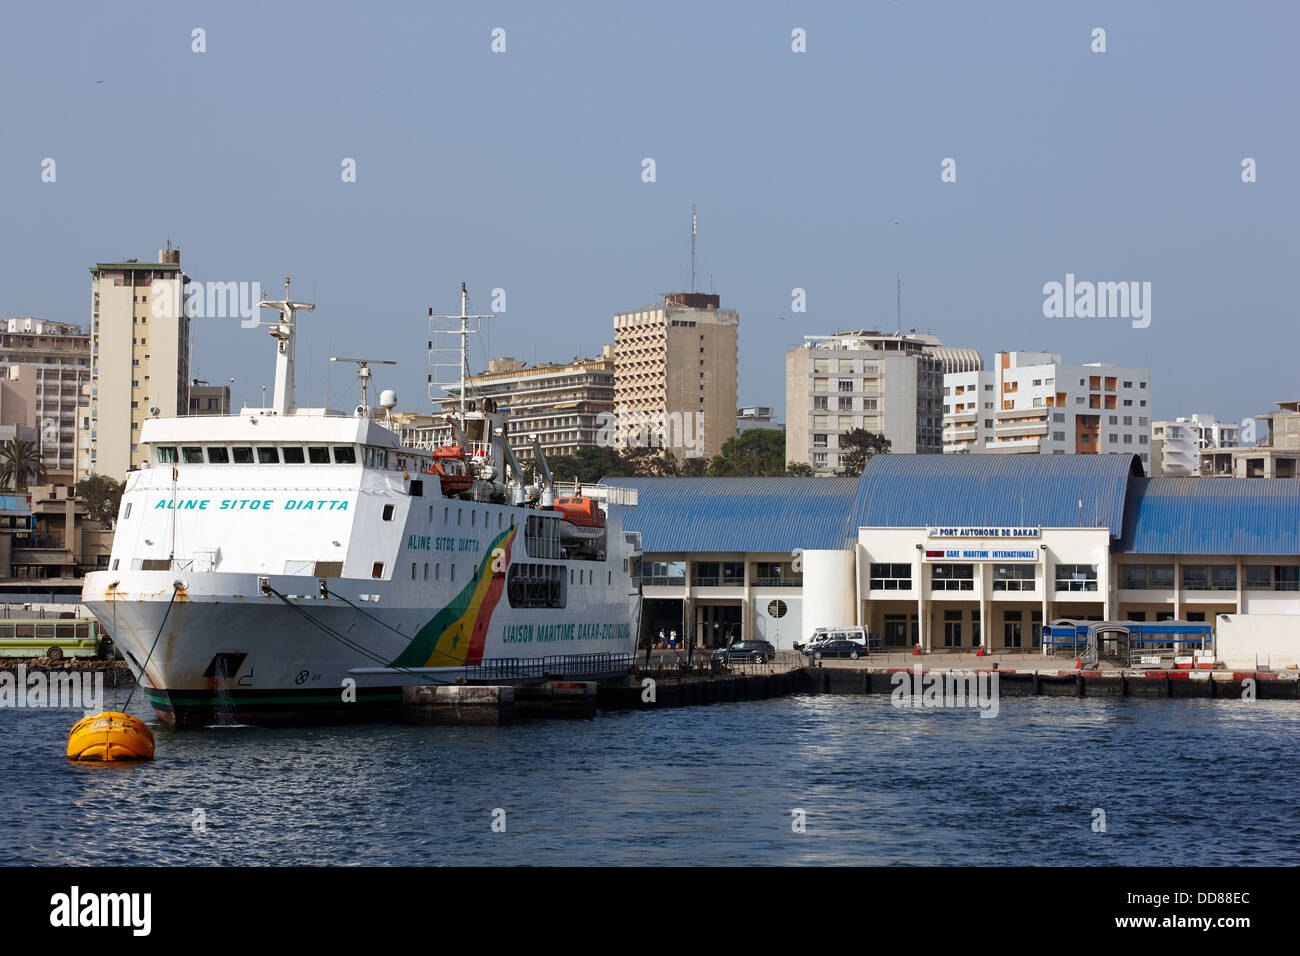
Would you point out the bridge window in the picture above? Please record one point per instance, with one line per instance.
(268, 455)
(318, 455)
(218, 455)
(192, 454)
(345, 455)
(293, 455)
(242, 455)
(167, 454)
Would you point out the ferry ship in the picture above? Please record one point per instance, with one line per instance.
(303, 564)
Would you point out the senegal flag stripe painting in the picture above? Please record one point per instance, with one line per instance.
(457, 633)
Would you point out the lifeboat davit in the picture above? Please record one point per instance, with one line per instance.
(110, 736)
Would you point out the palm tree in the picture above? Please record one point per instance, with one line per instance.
(19, 460)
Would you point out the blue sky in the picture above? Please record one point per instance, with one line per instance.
(818, 170)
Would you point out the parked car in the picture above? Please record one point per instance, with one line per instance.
(836, 649)
(758, 652)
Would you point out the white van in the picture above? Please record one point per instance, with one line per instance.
(855, 633)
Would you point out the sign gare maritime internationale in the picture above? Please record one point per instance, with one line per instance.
(985, 551)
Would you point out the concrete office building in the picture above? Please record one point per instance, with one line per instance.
(1275, 455)
(562, 404)
(1031, 402)
(885, 383)
(756, 416)
(675, 366)
(205, 399)
(139, 355)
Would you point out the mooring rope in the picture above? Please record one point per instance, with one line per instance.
(149, 657)
(347, 642)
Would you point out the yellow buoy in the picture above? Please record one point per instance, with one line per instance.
(110, 736)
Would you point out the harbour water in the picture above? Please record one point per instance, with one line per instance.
(1186, 782)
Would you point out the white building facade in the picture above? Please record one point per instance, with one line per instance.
(1031, 402)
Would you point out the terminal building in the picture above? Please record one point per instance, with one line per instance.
(957, 551)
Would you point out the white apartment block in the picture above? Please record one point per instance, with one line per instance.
(1176, 446)
(139, 355)
(887, 383)
(1031, 402)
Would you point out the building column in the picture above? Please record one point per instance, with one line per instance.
(1241, 585)
(1178, 589)
(984, 598)
(747, 607)
(1045, 565)
(922, 632)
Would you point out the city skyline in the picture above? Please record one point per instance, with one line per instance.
(1138, 178)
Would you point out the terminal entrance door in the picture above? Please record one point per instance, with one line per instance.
(897, 628)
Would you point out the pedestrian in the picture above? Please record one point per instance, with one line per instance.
(662, 639)
(672, 639)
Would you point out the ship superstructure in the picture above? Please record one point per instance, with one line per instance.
(290, 563)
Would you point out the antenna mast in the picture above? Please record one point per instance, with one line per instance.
(900, 306)
(435, 348)
(692, 247)
(283, 332)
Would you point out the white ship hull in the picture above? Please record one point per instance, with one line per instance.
(223, 650)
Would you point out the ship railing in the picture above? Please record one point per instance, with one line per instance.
(610, 494)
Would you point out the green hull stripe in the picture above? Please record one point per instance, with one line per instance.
(246, 701)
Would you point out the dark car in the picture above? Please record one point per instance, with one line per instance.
(837, 649)
(758, 652)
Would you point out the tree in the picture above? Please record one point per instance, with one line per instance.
(102, 496)
(20, 460)
(754, 452)
(857, 447)
(799, 469)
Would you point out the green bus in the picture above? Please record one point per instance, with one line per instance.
(53, 639)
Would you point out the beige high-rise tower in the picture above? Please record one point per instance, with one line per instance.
(140, 345)
(675, 374)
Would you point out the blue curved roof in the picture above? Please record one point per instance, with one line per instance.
(1212, 516)
(738, 514)
(982, 490)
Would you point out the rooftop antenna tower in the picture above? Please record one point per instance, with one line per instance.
(692, 247)
(900, 306)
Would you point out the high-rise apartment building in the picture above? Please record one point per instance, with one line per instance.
(1031, 402)
(43, 365)
(1176, 446)
(560, 404)
(140, 344)
(675, 374)
(887, 383)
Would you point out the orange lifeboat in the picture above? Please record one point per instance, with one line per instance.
(581, 511)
